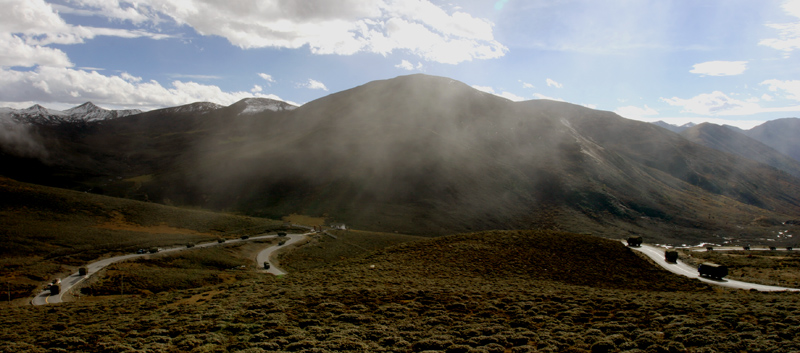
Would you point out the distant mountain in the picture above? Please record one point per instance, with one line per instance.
(197, 107)
(672, 127)
(86, 112)
(780, 134)
(423, 155)
(258, 105)
(725, 139)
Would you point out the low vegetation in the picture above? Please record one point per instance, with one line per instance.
(464, 293)
(168, 272)
(775, 268)
(49, 232)
(337, 245)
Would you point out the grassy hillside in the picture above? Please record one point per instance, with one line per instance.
(47, 231)
(474, 298)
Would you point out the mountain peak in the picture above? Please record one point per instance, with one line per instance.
(254, 105)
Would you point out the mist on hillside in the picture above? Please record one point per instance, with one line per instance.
(428, 155)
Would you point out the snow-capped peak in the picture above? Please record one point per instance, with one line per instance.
(85, 112)
(257, 105)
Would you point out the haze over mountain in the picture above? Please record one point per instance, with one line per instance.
(728, 140)
(780, 134)
(422, 155)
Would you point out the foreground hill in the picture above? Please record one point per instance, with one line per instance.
(428, 156)
(411, 302)
(47, 231)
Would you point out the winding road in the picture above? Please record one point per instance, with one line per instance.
(683, 269)
(67, 283)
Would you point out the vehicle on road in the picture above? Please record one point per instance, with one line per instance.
(635, 241)
(281, 234)
(245, 237)
(141, 251)
(154, 250)
(55, 289)
(190, 245)
(671, 256)
(710, 270)
(266, 265)
(82, 271)
(746, 247)
(281, 242)
(221, 240)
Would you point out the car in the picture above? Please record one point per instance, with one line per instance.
(141, 251)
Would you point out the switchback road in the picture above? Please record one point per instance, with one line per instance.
(67, 283)
(683, 269)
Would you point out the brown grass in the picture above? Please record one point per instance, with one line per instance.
(425, 304)
(775, 268)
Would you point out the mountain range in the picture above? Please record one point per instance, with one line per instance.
(427, 155)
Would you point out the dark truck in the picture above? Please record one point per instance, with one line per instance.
(635, 241)
(671, 256)
(712, 270)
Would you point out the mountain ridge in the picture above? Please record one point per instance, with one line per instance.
(428, 155)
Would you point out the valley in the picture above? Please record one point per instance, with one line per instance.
(465, 222)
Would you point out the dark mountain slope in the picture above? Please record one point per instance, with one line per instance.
(724, 139)
(428, 155)
(780, 134)
(425, 154)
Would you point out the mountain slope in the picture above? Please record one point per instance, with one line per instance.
(780, 134)
(724, 139)
(86, 112)
(428, 155)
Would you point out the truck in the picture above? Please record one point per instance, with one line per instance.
(714, 271)
(266, 265)
(55, 286)
(635, 241)
(671, 256)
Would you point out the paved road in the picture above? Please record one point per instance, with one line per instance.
(681, 268)
(264, 255)
(67, 283)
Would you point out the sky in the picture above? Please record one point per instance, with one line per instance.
(722, 61)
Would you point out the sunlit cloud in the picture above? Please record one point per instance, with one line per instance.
(341, 27)
(314, 84)
(788, 39)
(266, 77)
(553, 83)
(720, 104)
(720, 68)
(634, 112)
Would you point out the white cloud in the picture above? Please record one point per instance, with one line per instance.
(341, 27)
(634, 112)
(720, 68)
(790, 88)
(766, 97)
(719, 104)
(788, 33)
(70, 86)
(266, 77)
(552, 83)
(15, 52)
(505, 94)
(405, 65)
(527, 85)
(542, 96)
(511, 96)
(256, 89)
(314, 84)
(130, 78)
